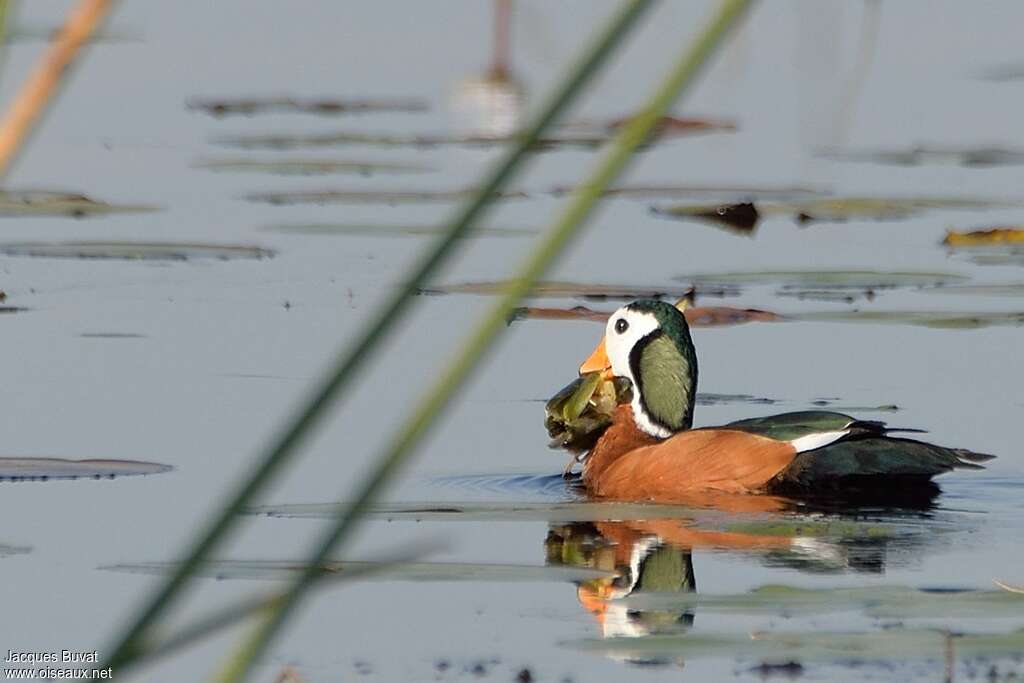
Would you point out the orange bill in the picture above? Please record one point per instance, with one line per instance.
(598, 362)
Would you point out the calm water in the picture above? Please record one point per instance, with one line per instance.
(225, 348)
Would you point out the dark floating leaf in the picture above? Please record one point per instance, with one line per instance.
(48, 203)
(559, 289)
(923, 154)
(697, 316)
(279, 570)
(12, 309)
(307, 166)
(134, 251)
(250, 106)
(837, 209)
(43, 469)
(340, 229)
(372, 196)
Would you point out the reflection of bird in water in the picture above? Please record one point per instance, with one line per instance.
(492, 103)
(642, 563)
(650, 452)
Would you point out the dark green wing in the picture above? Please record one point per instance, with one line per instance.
(805, 423)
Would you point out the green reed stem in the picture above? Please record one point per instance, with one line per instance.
(566, 226)
(352, 357)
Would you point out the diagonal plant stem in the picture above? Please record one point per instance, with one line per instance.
(38, 90)
(581, 204)
(351, 358)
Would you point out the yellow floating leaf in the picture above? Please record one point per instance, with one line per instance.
(981, 238)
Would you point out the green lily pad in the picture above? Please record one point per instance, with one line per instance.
(43, 469)
(47, 203)
(279, 570)
(696, 316)
(307, 166)
(251, 106)
(134, 251)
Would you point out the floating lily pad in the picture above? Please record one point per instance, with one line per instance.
(557, 289)
(43, 469)
(341, 229)
(134, 251)
(897, 602)
(250, 106)
(277, 570)
(835, 209)
(963, 320)
(890, 645)
(747, 192)
(1000, 290)
(47, 203)
(566, 138)
(307, 166)
(824, 280)
(485, 512)
(371, 196)
(920, 155)
(697, 316)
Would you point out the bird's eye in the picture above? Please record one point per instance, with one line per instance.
(621, 325)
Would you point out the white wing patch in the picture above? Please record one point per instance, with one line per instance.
(812, 441)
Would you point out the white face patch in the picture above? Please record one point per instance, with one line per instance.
(625, 328)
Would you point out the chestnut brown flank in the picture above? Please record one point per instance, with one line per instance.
(628, 464)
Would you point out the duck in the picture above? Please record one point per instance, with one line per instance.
(651, 452)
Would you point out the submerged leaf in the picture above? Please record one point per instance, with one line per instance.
(43, 469)
(134, 251)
